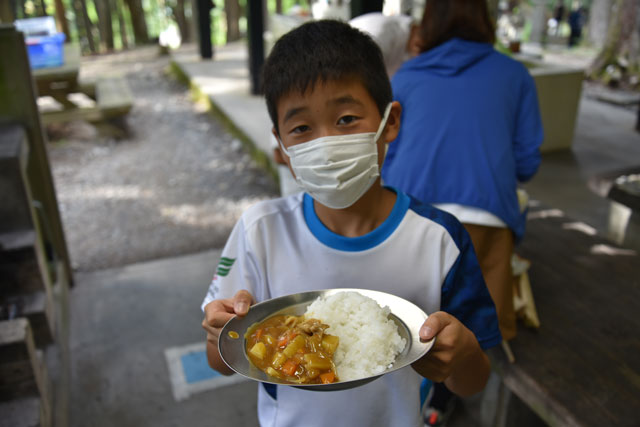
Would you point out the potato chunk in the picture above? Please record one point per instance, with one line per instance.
(314, 361)
(259, 350)
(330, 343)
(295, 345)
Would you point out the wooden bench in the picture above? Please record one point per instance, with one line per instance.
(113, 101)
(581, 367)
(113, 97)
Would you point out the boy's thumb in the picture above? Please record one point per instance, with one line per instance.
(433, 325)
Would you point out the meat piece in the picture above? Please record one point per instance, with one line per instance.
(312, 326)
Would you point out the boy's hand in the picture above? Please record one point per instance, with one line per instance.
(456, 357)
(216, 314)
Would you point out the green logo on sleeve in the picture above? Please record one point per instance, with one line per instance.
(224, 266)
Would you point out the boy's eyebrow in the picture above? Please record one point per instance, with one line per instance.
(346, 99)
(292, 112)
(341, 100)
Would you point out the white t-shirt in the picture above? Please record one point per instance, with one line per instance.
(471, 215)
(419, 253)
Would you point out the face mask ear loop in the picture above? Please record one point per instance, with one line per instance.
(282, 147)
(383, 123)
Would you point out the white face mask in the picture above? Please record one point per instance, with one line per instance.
(337, 170)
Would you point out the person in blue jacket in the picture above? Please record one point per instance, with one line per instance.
(471, 130)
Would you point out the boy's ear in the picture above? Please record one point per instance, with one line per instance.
(393, 122)
(278, 156)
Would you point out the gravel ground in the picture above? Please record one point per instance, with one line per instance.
(176, 185)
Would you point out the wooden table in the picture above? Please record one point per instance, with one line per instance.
(582, 366)
(59, 82)
(113, 99)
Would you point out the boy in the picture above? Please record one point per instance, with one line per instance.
(329, 99)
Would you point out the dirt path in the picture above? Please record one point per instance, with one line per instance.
(176, 186)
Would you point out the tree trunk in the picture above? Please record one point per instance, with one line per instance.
(41, 8)
(539, 22)
(84, 23)
(77, 14)
(622, 42)
(493, 10)
(599, 15)
(279, 6)
(232, 10)
(105, 25)
(138, 22)
(6, 12)
(61, 18)
(181, 19)
(117, 9)
(18, 9)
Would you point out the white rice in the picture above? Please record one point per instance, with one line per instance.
(369, 340)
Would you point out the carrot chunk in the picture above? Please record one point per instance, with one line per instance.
(327, 377)
(289, 367)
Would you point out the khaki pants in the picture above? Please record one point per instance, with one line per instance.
(494, 247)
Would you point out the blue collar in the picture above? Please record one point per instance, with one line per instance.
(361, 243)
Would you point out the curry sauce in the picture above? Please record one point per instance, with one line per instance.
(294, 349)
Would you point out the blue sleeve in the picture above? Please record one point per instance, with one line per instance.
(528, 131)
(465, 294)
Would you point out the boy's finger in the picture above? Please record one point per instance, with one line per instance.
(210, 329)
(219, 319)
(215, 307)
(242, 300)
(219, 305)
(433, 325)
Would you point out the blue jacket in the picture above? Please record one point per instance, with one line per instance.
(470, 129)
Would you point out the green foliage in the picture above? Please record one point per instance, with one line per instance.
(218, 24)
(286, 5)
(525, 35)
(500, 47)
(157, 16)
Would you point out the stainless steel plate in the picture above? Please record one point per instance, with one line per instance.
(407, 316)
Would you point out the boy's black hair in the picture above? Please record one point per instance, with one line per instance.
(322, 51)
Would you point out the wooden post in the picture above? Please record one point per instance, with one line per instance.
(255, 14)
(360, 7)
(18, 104)
(203, 14)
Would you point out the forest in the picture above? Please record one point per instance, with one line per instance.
(611, 27)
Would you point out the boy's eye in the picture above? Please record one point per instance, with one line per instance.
(300, 129)
(345, 120)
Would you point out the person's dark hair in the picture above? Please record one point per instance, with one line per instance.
(323, 51)
(446, 19)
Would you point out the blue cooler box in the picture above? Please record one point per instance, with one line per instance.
(46, 51)
(44, 42)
